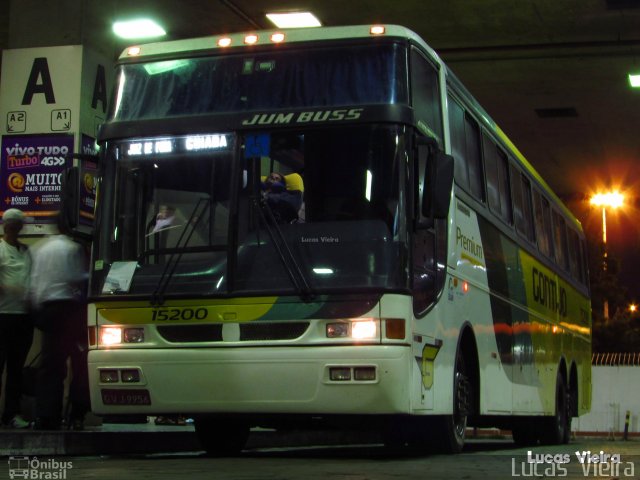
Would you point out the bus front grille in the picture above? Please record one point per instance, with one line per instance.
(248, 332)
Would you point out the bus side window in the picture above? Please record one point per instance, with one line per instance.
(458, 143)
(560, 238)
(465, 146)
(426, 93)
(543, 224)
(527, 206)
(498, 191)
(574, 254)
(474, 157)
(522, 208)
(583, 262)
(518, 201)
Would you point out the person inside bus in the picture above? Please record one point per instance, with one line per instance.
(283, 198)
(165, 218)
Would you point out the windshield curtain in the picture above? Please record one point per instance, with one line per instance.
(334, 220)
(282, 79)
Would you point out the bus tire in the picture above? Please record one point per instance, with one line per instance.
(449, 430)
(221, 437)
(556, 429)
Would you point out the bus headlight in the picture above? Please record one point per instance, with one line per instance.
(110, 335)
(364, 330)
(133, 335)
(357, 329)
(117, 335)
(338, 330)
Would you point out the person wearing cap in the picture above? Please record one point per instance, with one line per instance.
(16, 326)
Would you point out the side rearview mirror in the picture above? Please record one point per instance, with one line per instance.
(438, 181)
(434, 181)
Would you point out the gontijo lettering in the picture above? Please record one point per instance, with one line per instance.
(547, 293)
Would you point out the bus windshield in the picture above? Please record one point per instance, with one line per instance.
(314, 77)
(199, 214)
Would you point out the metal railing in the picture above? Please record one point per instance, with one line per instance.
(616, 359)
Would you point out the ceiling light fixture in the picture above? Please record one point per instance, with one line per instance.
(140, 28)
(294, 20)
(634, 80)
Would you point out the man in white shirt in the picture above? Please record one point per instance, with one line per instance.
(16, 327)
(58, 279)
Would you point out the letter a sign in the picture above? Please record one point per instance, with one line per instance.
(40, 90)
(39, 82)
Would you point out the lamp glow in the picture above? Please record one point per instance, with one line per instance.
(294, 20)
(634, 80)
(611, 199)
(141, 28)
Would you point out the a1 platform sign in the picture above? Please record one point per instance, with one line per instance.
(61, 120)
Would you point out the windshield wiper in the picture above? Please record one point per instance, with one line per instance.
(157, 298)
(285, 254)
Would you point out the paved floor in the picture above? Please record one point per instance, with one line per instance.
(481, 460)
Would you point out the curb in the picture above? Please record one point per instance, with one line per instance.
(172, 439)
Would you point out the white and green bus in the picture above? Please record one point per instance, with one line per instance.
(425, 279)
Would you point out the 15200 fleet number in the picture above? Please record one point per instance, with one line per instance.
(178, 314)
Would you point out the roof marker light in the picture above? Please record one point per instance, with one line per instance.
(133, 51)
(251, 39)
(224, 42)
(277, 37)
(377, 30)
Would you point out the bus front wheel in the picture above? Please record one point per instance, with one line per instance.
(449, 430)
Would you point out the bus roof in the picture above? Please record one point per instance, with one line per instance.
(270, 37)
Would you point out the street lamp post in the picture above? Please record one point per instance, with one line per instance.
(611, 200)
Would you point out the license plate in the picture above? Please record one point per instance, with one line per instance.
(125, 397)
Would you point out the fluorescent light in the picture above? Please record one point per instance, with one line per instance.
(141, 28)
(294, 20)
(367, 193)
(634, 80)
(323, 271)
